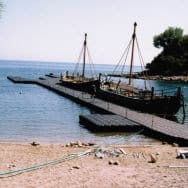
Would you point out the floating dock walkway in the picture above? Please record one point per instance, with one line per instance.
(154, 126)
(108, 122)
(20, 80)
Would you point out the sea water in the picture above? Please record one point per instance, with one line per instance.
(29, 112)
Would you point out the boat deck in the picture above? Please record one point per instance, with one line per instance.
(154, 126)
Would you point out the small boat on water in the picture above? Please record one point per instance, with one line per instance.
(79, 81)
(164, 103)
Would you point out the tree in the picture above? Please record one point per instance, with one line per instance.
(185, 43)
(170, 40)
(169, 37)
(1, 8)
(173, 60)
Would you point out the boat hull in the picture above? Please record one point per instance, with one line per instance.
(167, 105)
(82, 86)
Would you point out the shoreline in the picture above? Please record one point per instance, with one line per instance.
(179, 79)
(133, 167)
(149, 141)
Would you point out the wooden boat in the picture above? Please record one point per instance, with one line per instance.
(144, 100)
(79, 81)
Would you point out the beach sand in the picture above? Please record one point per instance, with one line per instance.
(133, 169)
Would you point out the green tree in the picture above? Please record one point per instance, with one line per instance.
(1, 8)
(169, 37)
(173, 60)
(185, 43)
(170, 40)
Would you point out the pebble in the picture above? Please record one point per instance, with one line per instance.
(122, 150)
(34, 143)
(72, 143)
(116, 163)
(91, 144)
(157, 153)
(11, 166)
(110, 162)
(79, 144)
(85, 144)
(76, 167)
(153, 158)
(99, 155)
(175, 145)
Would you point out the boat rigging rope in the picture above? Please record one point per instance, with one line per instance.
(125, 52)
(92, 68)
(125, 55)
(78, 61)
(126, 58)
(142, 63)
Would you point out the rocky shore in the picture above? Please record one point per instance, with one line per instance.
(180, 79)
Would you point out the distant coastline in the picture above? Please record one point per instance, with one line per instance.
(179, 79)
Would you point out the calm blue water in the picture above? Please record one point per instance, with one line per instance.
(39, 114)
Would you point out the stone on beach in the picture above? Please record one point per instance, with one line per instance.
(175, 145)
(111, 162)
(79, 144)
(153, 158)
(99, 155)
(116, 163)
(76, 167)
(34, 143)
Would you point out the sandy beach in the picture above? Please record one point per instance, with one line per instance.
(131, 168)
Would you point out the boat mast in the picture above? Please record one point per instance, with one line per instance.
(132, 54)
(84, 56)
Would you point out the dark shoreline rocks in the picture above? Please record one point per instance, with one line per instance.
(180, 79)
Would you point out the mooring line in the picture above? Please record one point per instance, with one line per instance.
(39, 166)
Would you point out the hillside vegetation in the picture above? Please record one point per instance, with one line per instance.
(173, 59)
